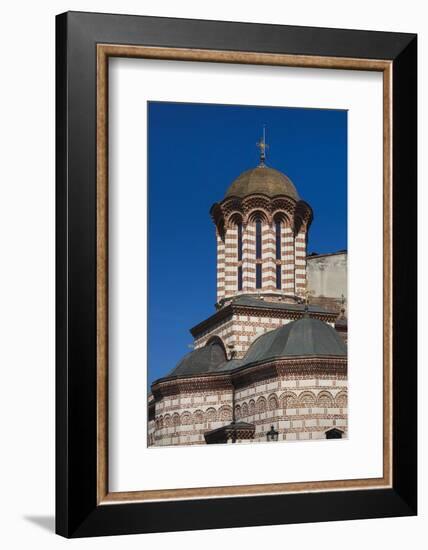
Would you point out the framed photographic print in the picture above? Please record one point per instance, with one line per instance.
(236, 273)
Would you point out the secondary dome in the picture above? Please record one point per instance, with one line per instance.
(264, 180)
(200, 360)
(304, 337)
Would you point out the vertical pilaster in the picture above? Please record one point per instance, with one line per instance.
(300, 261)
(220, 268)
(248, 258)
(231, 261)
(287, 244)
(268, 256)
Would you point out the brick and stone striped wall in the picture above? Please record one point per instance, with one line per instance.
(248, 256)
(301, 407)
(240, 330)
(300, 262)
(287, 252)
(221, 260)
(295, 218)
(292, 262)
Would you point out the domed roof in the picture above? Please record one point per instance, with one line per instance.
(200, 360)
(264, 180)
(304, 337)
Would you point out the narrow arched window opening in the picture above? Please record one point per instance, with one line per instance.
(240, 277)
(239, 242)
(278, 240)
(278, 254)
(258, 254)
(278, 277)
(258, 239)
(258, 275)
(239, 247)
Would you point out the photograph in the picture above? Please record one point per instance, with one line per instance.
(247, 274)
(213, 267)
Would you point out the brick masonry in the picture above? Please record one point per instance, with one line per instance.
(299, 407)
(294, 218)
(240, 331)
(303, 397)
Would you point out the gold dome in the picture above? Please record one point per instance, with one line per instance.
(265, 180)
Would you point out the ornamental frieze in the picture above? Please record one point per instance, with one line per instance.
(225, 212)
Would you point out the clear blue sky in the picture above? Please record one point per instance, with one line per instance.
(195, 152)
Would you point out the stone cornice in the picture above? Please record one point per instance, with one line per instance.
(263, 311)
(297, 212)
(246, 375)
(289, 366)
(191, 384)
(218, 316)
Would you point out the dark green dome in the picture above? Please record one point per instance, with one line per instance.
(304, 337)
(204, 359)
(265, 180)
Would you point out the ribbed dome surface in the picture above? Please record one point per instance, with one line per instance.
(304, 337)
(264, 180)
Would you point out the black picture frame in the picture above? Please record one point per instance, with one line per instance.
(77, 511)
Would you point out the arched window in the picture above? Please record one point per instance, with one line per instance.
(259, 275)
(239, 248)
(278, 276)
(258, 253)
(278, 240)
(239, 242)
(278, 253)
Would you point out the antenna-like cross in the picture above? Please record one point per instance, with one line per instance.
(342, 309)
(307, 294)
(263, 146)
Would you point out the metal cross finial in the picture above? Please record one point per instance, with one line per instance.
(262, 145)
(342, 301)
(306, 295)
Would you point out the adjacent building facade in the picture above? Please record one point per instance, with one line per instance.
(267, 364)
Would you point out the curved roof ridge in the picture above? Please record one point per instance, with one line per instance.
(203, 359)
(304, 337)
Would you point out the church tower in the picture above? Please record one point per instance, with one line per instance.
(261, 228)
(266, 363)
